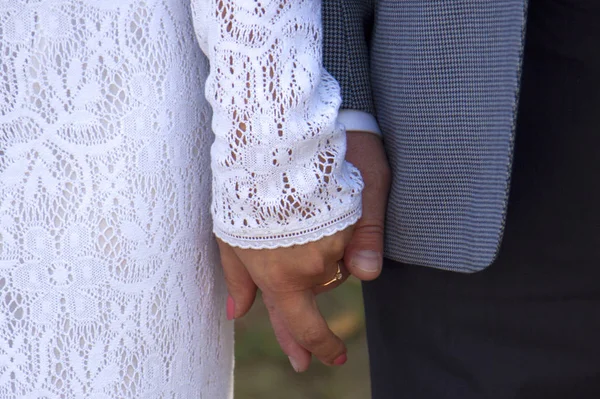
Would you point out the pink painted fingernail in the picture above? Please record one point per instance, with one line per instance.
(341, 360)
(230, 308)
(294, 364)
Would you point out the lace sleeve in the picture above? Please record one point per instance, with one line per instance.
(279, 174)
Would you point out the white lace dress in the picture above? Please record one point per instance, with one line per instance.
(110, 286)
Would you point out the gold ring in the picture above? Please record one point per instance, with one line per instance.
(338, 276)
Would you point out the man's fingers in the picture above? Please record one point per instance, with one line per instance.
(242, 290)
(307, 326)
(299, 357)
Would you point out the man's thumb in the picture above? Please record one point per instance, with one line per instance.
(364, 254)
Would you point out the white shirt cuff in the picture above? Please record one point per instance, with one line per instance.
(358, 120)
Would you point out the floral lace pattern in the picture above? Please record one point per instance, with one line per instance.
(110, 286)
(279, 175)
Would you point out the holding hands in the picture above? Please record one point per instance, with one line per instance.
(279, 171)
(290, 278)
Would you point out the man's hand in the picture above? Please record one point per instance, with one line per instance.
(364, 255)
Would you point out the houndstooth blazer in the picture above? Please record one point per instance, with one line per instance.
(442, 79)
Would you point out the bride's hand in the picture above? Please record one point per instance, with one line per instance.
(364, 254)
(303, 277)
(289, 279)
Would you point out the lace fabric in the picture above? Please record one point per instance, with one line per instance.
(110, 286)
(279, 178)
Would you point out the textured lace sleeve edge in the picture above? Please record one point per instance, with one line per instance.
(297, 237)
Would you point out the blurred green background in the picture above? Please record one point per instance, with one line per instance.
(263, 371)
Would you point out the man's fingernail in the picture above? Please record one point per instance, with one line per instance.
(230, 308)
(294, 364)
(341, 360)
(369, 261)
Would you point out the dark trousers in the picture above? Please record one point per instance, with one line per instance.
(497, 334)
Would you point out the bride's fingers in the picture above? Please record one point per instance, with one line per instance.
(241, 287)
(301, 317)
(299, 357)
(319, 289)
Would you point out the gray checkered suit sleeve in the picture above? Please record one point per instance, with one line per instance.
(444, 84)
(346, 28)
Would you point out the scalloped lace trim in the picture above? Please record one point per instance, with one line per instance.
(298, 237)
